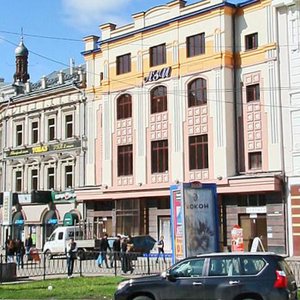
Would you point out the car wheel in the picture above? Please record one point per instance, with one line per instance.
(142, 298)
(48, 254)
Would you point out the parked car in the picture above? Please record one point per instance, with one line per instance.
(141, 243)
(217, 276)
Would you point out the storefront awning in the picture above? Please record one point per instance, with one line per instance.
(70, 219)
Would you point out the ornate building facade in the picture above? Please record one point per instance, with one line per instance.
(188, 93)
(43, 149)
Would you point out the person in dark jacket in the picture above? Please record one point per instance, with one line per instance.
(104, 245)
(161, 250)
(28, 245)
(116, 250)
(10, 249)
(20, 251)
(126, 249)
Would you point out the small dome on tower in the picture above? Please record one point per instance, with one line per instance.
(21, 50)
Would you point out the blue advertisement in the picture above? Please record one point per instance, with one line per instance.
(195, 225)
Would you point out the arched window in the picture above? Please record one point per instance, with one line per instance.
(124, 107)
(159, 101)
(197, 92)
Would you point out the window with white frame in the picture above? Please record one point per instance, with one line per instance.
(19, 134)
(34, 132)
(69, 126)
(68, 176)
(18, 180)
(51, 128)
(34, 179)
(51, 178)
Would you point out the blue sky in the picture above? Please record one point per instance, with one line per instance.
(53, 29)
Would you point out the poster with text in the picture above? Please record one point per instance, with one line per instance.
(200, 219)
(177, 221)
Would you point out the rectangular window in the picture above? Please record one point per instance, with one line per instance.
(195, 45)
(18, 181)
(51, 178)
(253, 92)
(159, 156)
(255, 160)
(51, 129)
(124, 64)
(19, 135)
(69, 126)
(125, 160)
(34, 132)
(69, 176)
(34, 179)
(198, 151)
(158, 55)
(251, 41)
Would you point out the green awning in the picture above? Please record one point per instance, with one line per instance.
(70, 219)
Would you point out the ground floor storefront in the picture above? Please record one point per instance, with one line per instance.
(257, 205)
(38, 219)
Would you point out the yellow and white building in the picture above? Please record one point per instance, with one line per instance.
(187, 93)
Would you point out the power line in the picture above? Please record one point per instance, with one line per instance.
(183, 93)
(181, 45)
(42, 36)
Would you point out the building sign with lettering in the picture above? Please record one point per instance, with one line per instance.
(44, 148)
(69, 196)
(158, 74)
(7, 208)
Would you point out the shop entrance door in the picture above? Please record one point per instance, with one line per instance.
(165, 230)
(254, 227)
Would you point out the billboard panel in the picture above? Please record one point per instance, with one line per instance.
(201, 233)
(194, 219)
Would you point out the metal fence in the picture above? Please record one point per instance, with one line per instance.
(39, 265)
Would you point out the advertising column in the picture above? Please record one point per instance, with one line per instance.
(195, 220)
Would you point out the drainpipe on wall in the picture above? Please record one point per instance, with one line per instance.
(285, 190)
(235, 93)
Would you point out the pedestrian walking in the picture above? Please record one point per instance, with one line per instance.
(126, 249)
(104, 246)
(161, 246)
(10, 249)
(20, 251)
(28, 245)
(116, 250)
(71, 256)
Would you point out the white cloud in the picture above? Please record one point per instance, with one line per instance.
(87, 13)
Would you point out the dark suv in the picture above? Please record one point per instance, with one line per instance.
(217, 276)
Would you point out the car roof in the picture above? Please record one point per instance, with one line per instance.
(238, 254)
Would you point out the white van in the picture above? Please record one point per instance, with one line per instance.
(57, 242)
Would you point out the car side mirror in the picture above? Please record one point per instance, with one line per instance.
(169, 275)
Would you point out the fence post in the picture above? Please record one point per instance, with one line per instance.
(148, 262)
(1, 264)
(44, 265)
(115, 261)
(80, 267)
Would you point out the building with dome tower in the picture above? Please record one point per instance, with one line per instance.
(21, 54)
(43, 148)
